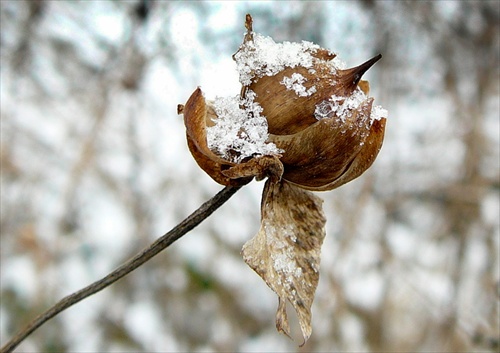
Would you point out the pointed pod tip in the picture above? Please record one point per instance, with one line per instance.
(359, 71)
(248, 22)
(352, 76)
(371, 62)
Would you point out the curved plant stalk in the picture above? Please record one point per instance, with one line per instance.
(177, 232)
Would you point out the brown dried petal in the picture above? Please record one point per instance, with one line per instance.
(363, 160)
(196, 115)
(320, 154)
(214, 169)
(364, 86)
(288, 113)
(286, 250)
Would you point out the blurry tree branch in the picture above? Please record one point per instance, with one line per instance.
(163, 242)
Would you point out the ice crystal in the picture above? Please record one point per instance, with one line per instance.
(378, 113)
(343, 107)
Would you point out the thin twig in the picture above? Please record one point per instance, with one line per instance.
(178, 231)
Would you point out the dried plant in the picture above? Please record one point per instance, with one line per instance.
(333, 138)
(305, 123)
(94, 165)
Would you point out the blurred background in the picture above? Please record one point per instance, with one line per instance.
(94, 167)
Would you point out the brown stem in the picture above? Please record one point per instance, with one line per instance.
(178, 231)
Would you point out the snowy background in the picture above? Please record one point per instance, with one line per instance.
(95, 166)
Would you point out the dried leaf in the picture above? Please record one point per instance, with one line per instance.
(286, 250)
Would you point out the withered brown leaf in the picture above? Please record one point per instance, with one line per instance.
(286, 250)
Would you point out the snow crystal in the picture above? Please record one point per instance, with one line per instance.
(264, 57)
(285, 263)
(343, 107)
(339, 106)
(378, 113)
(282, 256)
(338, 64)
(295, 83)
(239, 131)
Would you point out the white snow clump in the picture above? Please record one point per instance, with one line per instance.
(264, 57)
(296, 83)
(342, 107)
(240, 131)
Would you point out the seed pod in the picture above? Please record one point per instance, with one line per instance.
(302, 121)
(317, 113)
(324, 126)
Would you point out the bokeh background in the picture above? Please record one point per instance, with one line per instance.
(94, 167)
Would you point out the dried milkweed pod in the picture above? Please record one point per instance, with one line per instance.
(303, 121)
